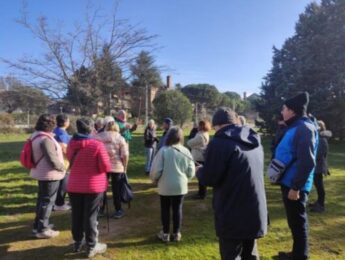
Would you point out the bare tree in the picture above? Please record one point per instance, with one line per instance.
(64, 53)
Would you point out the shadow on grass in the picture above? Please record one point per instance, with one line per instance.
(53, 252)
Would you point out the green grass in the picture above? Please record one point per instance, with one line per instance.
(133, 237)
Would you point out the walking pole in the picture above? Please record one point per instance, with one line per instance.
(107, 209)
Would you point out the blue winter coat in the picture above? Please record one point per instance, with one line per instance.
(234, 168)
(297, 150)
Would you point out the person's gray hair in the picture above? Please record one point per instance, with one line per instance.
(174, 136)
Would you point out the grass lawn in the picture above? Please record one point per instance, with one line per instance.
(133, 237)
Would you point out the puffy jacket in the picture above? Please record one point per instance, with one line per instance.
(173, 166)
(297, 150)
(90, 165)
(51, 166)
(234, 168)
(198, 145)
(116, 147)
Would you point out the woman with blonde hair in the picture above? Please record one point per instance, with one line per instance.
(117, 150)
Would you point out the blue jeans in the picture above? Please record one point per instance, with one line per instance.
(149, 158)
(297, 218)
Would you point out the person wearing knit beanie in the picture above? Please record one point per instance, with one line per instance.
(298, 104)
(297, 150)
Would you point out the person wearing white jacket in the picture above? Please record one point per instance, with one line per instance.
(198, 144)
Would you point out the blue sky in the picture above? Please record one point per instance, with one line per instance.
(227, 43)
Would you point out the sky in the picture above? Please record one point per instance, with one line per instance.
(226, 43)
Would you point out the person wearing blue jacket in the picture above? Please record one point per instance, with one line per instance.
(234, 168)
(297, 151)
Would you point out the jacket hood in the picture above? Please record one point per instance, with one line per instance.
(244, 135)
(326, 133)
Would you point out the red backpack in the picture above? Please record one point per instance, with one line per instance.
(27, 156)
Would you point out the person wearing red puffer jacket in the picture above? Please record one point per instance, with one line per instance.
(89, 164)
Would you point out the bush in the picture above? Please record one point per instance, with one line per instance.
(6, 120)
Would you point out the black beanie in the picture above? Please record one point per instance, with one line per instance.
(168, 121)
(224, 116)
(299, 103)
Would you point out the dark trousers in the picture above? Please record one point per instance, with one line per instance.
(235, 249)
(297, 218)
(174, 202)
(318, 182)
(85, 209)
(115, 187)
(61, 194)
(45, 200)
(202, 188)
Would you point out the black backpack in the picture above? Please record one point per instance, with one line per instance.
(126, 193)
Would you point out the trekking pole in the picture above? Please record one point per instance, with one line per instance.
(107, 210)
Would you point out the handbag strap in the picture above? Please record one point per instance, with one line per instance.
(187, 156)
(73, 159)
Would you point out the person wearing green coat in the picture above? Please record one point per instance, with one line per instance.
(172, 168)
(126, 129)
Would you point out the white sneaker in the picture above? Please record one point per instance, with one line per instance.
(99, 248)
(34, 230)
(176, 237)
(49, 233)
(64, 207)
(163, 236)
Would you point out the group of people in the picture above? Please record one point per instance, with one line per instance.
(232, 163)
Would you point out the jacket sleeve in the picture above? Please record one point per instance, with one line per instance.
(104, 164)
(49, 151)
(157, 166)
(305, 140)
(191, 166)
(216, 163)
(196, 142)
(321, 150)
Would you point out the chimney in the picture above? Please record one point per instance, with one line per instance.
(169, 85)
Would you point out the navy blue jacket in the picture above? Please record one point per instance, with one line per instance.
(234, 168)
(297, 150)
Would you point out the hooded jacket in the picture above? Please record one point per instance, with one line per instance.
(297, 150)
(234, 168)
(89, 167)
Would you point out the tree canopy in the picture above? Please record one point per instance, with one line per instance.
(173, 104)
(311, 60)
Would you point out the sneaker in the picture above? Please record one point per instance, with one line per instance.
(176, 237)
(34, 230)
(64, 207)
(99, 248)
(285, 255)
(163, 236)
(49, 233)
(118, 214)
(317, 208)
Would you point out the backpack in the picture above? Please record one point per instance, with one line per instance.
(26, 155)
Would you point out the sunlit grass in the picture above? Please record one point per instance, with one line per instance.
(133, 237)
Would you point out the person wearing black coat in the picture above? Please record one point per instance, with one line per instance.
(321, 168)
(234, 168)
